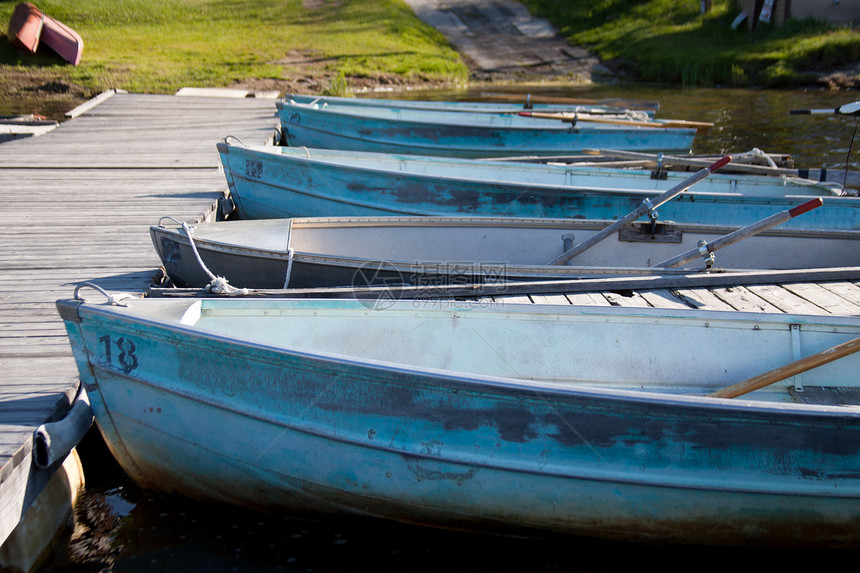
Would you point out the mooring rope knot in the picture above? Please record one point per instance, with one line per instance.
(217, 285)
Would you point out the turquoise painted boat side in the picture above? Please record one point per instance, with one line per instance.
(405, 413)
(277, 182)
(462, 134)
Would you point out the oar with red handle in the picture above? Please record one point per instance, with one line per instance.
(741, 234)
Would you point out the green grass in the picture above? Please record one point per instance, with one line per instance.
(158, 46)
(670, 41)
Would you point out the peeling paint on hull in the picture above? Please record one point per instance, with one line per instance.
(462, 134)
(271, 182)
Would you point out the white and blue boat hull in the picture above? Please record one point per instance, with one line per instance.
(197, 397)
(272, 182)
(462, 134)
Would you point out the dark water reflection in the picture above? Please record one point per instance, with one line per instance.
(146, 531)
(135, 531)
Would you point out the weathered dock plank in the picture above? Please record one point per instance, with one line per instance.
(78, 203)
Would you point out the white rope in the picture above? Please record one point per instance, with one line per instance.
(637, 115)
(217, 285)
(830, 187)
(756, 153)
(290, 253)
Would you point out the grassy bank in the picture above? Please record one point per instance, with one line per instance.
(158, 46)
(670, 41)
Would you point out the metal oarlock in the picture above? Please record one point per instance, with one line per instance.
(660, 172)
(647, 206)
(708, 256)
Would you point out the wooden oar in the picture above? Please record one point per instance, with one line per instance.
(741, 234)
(618, 103)
(701, 127)
(847, 109)
(693, 162)
(789, 370)
(646, 206)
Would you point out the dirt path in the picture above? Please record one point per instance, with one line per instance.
(500, 40)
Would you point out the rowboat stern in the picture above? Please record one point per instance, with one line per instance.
(63, 40)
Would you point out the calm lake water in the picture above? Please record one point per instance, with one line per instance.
(131, 530)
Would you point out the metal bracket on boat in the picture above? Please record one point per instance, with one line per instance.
(797, 379)
(175, 220)
(651, 232)
(709, 256)
(567, 243)
(112, 299)
(236, 139)
(652, 214)
(660, 172)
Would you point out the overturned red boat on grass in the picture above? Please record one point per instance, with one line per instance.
(29, 27)
(25, 27)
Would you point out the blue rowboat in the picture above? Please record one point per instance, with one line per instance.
(273, 182)
(567, 420)
(587, 107)
(353, 251)
(463, 134)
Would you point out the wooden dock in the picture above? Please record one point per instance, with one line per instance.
(78, 203)
(77, 206)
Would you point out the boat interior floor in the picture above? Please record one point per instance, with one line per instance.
(826, 395)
